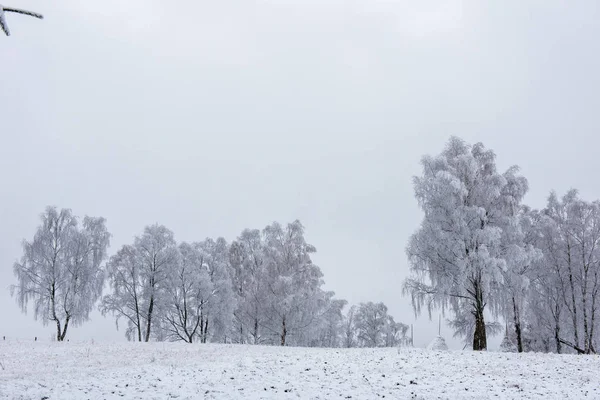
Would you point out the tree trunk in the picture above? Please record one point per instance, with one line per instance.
(53, 307)
(205, 331)
(573, 302)
(283, 333)
(137, 315)
(149, 323)
(586, 333)
(573, 346)
(139, 328)
(517, 326)
(58, 331)
(479, 336)
(593, 312)
(201, 324)
(255, 331)
(64, 332)
(557, 338)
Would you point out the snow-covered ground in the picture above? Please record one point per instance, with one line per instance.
(179, 371)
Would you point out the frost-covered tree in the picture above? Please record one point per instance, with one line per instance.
(4, 10)
(293, 282)
(327, 331)
(217, 315)
(394, 333)
(189, 290)
(248, 274)
(349, 328)
(370, 325)
(60, 270)
(519, 237)
(138, 275)
(263, 288)
(456, 255)
(199, 299)
(572, 246)
(125, 279)
(371, 321)
(546, 316)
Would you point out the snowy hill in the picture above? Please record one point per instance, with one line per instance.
(166, 370)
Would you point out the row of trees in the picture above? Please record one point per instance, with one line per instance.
(262, 288)
(480, 252)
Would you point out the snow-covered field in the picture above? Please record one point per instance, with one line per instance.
(179, 371)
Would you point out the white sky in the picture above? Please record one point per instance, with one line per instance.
(215, 116)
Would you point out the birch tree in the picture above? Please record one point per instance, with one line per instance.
(189, 290)
(371, 321)
(293, 281)
(370, 325)
(455, 256)
(349, 328)
(248, 274)
(217, 315)
(61, 271)
(138, 277)
(328, 330)
(394, 333)
(519, 237)
(573, 237)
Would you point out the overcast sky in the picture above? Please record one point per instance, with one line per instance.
(214, 116)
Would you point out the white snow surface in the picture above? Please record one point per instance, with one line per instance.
(181, 371)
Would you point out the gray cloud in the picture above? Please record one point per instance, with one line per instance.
(210, 117)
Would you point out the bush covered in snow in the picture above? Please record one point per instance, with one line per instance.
(438, 344)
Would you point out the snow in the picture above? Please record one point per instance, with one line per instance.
(438, 344)
(37, 370)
